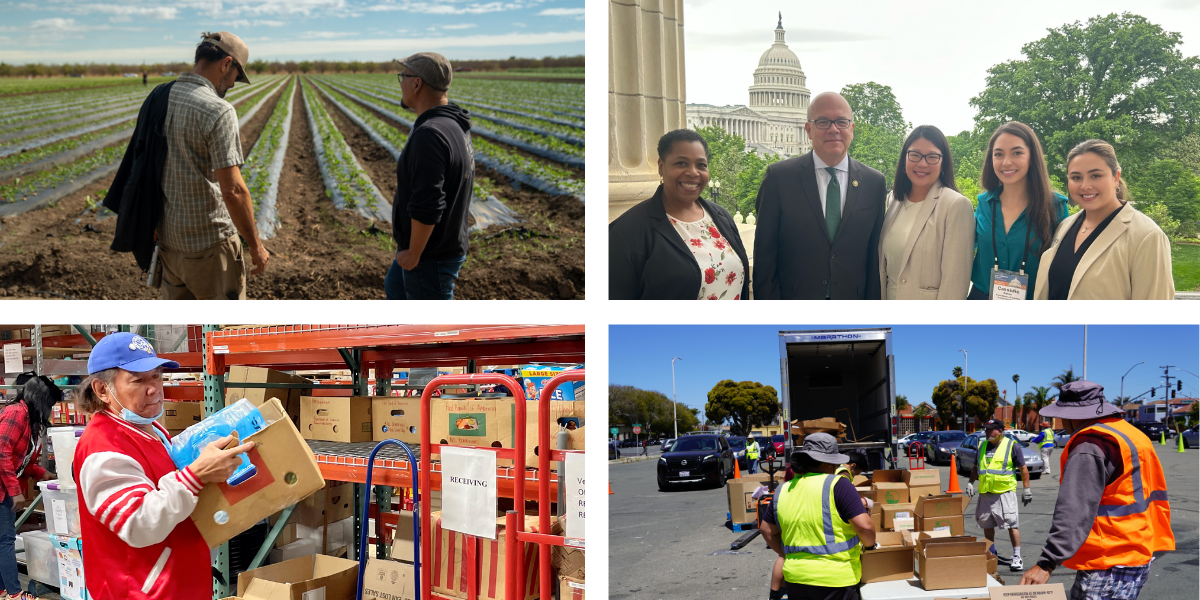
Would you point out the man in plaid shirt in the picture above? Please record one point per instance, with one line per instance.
(207, 204)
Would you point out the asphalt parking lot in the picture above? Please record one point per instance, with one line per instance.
(675, 544)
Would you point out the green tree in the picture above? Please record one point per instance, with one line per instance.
(1117, 77)
(901, 402)
(921, 411)
(305, 66)
(258, 66)
(958, 372)
(354, 66)
(1067, 376)
(629, 405)
(1161, 215)
(1173, 185)
(1018, 412)
(740, 171)
(1194, 413)
(879, 127)
(745, 404)
(981, 398)
(6, 70)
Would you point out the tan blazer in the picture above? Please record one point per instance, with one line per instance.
(1131, 260)
(939, 251)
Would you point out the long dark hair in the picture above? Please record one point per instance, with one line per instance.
(903, 185)
(1041, 214)
(39, 394)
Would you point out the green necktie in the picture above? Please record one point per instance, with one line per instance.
(833, 203)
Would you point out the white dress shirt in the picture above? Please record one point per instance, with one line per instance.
(843, 173)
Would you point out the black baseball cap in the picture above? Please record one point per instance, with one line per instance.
(994, 424)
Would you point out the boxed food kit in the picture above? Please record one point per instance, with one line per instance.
(388, 580)
(181, 415)
(941, 512)
(892, 561)
(306, 578)
(923, 482)
(742, 507)
(491, 422)
(1053, 591)
(336, 419)
(288, 397)
(951, 562)
(898, 516)
(286, 472)
(396, 418)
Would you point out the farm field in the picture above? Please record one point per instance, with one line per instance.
(320, 157)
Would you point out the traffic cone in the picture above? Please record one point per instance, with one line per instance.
(1162, 439)
(737, 471)
(1180, 448)
(610, 488)
(954, 489)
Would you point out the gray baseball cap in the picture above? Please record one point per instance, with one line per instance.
(433, 68)
(821, 447)
(233, 46)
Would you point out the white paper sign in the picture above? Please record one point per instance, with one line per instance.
(576, 497)
(317, 594)
(469, 491)
(12, 359)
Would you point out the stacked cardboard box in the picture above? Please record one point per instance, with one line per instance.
(951, 562)
(484, 422)
(941, 513)
(288, 397)
(336, 419)
(892, 561)
(826, 425)
(923, 482)
(178, 416)
(388, 580)
(396, 418)
(888, 487)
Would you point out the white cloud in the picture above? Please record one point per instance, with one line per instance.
(262, 23)
(459, 26)
(325, 35)
(450, 7)
(168, 37)
(124, 12)
(561, 12)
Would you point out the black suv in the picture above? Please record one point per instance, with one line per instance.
(1154, 430)
(696, 457)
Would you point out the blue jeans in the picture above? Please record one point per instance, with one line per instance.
(429, 280)
(8, 552)
(753, 465)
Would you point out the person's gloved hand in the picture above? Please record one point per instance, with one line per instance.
(971, 489)
(1028, 497)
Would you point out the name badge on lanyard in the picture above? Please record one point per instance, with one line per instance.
(1008, 285)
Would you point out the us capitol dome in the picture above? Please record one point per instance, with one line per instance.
(773, 122)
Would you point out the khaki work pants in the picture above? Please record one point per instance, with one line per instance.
(216, 273)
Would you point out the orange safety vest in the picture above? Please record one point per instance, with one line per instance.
(1133, 520)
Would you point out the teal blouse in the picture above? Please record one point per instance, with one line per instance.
(1010, 246)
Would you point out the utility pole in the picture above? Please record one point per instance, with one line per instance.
(1085, 351)
(1167, 390)
(674, 402)
(966, 386)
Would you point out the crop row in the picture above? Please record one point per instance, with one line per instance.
(265, 162)
(23, 187)
(542, 175)
(390, 138)
(48, 115)
(542, 145)
(347, 185)
(24, 86)
(19, 105)
(547, 94)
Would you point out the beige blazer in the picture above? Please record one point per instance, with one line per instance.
(939, 251)
(1131, 260)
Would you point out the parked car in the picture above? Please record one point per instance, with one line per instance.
(666, 444)
(1060, 438)
(777, 440)
(1021, 435)
(920, 436)
(696, 458)
(1154, 430)
(629, 443)
(614, 451)
(941, 445)
(968, 454)
(1189, 437)
(737, 443)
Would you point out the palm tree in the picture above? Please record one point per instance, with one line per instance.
(1067, 376)
(1017, 406)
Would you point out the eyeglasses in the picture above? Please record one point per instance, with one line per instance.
(825, 123)
(400, 77)
(932, 159)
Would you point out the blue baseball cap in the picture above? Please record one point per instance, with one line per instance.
(127, 351)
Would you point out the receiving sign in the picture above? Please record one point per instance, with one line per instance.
(576, 509)
(469, 491)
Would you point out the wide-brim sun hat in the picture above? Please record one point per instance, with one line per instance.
(821, 447)
(1080, 400)
(126, 351)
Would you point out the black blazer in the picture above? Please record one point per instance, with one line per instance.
(794, 258)
(647, 260)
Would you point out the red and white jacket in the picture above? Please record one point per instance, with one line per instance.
(139, 541)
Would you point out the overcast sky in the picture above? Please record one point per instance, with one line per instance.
(934, 54)
(133, 31)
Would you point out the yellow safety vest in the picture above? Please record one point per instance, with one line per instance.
(1049, 439)
(821, 549)
(997, 476)
(752, 451)
(844, 472)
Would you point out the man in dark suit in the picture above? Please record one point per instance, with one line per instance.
(819, 216)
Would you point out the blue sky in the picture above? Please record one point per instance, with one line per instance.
(925, 355)
(133, 31)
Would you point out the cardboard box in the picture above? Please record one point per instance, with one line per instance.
(388, 580)
(450, 558)
(336, 499)
(943, 505)
(888, 475)
(303, 578)
(181, 415)
(484, 422)
(559, 409)
(951, 563)
(402, 544)
(568, 561)
(299, 548)
(1053, 591)
(287, 473)
(953, 524)
(891, 513)
(288, 397)
(887, 492)
(892, 561)
(570, 588)
(922, 477)
(742, 507)
(924, 490)
(396, 418)
(877, 516)
(335, 419)
(577, 438)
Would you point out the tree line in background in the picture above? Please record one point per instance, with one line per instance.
(652, 410)
(743, 404)
(983, 397)
(1119, 78)
(262, 66)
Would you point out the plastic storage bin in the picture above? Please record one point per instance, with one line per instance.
(63, 440)
(62, 507)
(40, 558)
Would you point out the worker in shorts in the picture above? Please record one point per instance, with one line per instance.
(999, 458)
(1045, 442)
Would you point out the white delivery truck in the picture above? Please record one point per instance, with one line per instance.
(847, 374)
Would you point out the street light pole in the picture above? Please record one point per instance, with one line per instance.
(674, 402)
(966, 386)
(1123, 380)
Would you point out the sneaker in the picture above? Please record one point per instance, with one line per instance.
(1016, 564)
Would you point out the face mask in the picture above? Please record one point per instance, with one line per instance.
(133, 417)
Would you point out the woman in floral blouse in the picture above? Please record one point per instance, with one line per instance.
(676, 245)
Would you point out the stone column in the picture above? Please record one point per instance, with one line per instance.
(645, 94)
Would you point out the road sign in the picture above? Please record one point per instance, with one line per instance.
(637, 428)
(614, 430)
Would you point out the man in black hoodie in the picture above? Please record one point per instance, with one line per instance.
(434, 180)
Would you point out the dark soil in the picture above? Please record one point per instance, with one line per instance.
(319, 252)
